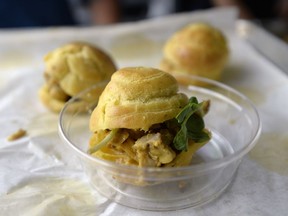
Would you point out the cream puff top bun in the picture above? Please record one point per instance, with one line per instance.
(137, 98)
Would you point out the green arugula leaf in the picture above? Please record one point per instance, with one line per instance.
(181, 139)
(202, 136)
(182, 115)
(187, 109)
(192, 124)
(193, 100)
(195, 123)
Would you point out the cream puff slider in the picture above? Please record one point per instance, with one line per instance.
(135, 121)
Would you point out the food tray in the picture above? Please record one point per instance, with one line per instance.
(38, 175)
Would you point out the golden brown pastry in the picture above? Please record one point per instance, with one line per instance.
(197, 49)
(72, 68)
(137, 98)
(135, 121)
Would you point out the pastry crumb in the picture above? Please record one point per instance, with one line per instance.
(17, 135)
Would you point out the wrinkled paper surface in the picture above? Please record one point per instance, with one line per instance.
(40, 176)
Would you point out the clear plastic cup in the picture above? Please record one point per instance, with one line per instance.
(235, 126)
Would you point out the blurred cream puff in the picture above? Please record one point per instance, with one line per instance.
(71, 69)
(197, 49)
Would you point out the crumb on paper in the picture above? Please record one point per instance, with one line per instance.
(17, 135)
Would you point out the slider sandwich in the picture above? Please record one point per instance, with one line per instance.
(141, 119)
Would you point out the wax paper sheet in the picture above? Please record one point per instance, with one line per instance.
(39, 175)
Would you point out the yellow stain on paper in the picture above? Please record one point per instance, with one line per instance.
(271, 152)
(256, 96)
(132, 46)
(14, 58)
(52, 196)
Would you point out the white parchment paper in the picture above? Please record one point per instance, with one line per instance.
(39, 175)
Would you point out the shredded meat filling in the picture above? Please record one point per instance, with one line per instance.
(145, 149)
(152, 151)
